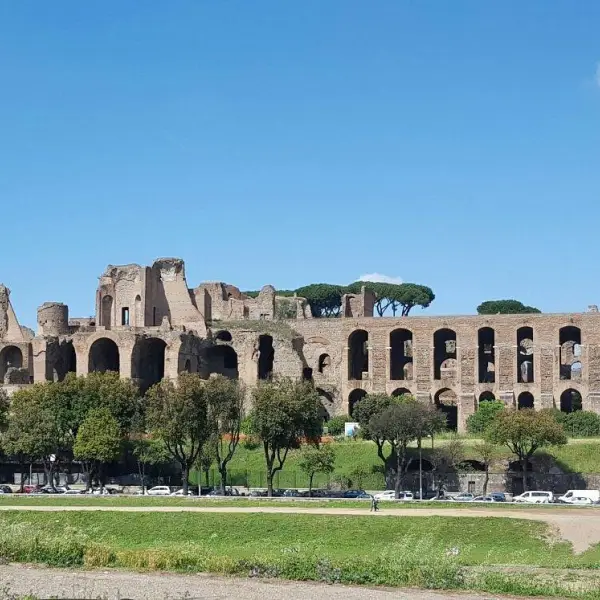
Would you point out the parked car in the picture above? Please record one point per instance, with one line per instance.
(180, 493)
(6, 489)
(357, 494)
(49, 489)
(536, 497)
(581, 501)
(464, 497)
(567, 497)
(74, 492)
(485, 499)
(159, 490)
(31, 489)
(429, 495)
(228, 492)
(498, 496)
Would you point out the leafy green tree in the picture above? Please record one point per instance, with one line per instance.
(325, 299)
(525, 431)
(480, 420)
(485, 452)
(401, 297)
(316, 459)
(148, 452)
(285, 411)
(225, 398)
(337, 425)
(36, 427)
(505, 307)
(98, 442)
(393, 423)
(178, 415)
(4, 407)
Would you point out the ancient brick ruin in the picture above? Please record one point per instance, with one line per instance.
(149, 324)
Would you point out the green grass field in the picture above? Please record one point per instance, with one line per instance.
(488, 554)
(579, 456)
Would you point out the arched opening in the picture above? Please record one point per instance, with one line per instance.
(326, 404)
(525, 372)
(223, 360)
(66, 362)
(472, 465)
(525, 400)
(355, 397)
(10, 356)
(487, 355)
(266, 357)
(486, 397)
(148, 362)
(103, 356)
(324, 364)
(444, 354)
(401, 354)
(223, 336)
(358, 355)
(446, 401)
(106, 311)
(139, 315)
(569, 339)
(570, 401)
(401, 392)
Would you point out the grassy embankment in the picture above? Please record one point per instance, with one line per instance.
(488, 554)
(579, 456)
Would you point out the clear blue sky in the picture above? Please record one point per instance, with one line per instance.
(455, 144)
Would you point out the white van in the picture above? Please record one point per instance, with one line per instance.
(535, 497)
(567, 497)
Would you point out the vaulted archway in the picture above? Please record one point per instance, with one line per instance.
(148, 362)
(104, 356)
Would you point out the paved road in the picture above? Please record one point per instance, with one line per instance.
(19, 580)
(581, 527)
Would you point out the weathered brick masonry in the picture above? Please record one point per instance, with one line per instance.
(149, 324)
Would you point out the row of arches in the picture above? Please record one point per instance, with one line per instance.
(446, 400)
(445, 354)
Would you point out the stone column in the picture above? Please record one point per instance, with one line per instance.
(39, 373)
(125, 353)
(377, 362)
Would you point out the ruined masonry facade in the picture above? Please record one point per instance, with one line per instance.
(149, 325)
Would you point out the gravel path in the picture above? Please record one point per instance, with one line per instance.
(581, 527)
(119, 585)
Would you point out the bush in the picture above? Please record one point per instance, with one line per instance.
(336, 425)
(581, 423)
(479, 421)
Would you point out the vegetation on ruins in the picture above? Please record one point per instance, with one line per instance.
(98, 442)
(284, 412)
(505, 307)
(525, 431)
(316, 459)
(178, 416)
(393, 422)
(325, 299)
(399, 297)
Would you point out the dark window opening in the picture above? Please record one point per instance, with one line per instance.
(525, 400)
(487, 355)
(525, 355)
(358, 355)
(353, 399)
(224, 336)
(10, 356)
(104, 356)
(486, 397)
(444, 354)
(148, 362)
(446, 402)
(401, 354)
(266, 357)
(324, 363)
(401, 392)
(570, 352)
(307, 374)
(570, 401)
(125, 315)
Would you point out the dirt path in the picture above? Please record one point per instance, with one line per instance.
(19, 580)
(581, 527)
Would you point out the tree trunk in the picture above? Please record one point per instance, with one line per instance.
(269, 483)
(185, 472)
(524, 469)
(310, 483)
(486, 480)
(223, 473)
(398, 486)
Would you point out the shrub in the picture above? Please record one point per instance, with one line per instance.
(336, 425)
(582, 423)
(480, 420)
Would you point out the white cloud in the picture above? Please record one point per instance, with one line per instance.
(379, 278)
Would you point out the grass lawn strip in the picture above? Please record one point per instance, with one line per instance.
(431, 552)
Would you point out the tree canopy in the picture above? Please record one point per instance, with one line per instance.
(284, 412)
(316, 459)
(505, 307)
(325, 299)
(482, 418)
(525, 431)
(401, 297)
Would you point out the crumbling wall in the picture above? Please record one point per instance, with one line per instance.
(358, 305)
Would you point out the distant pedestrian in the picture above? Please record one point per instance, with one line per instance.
(374, 504)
